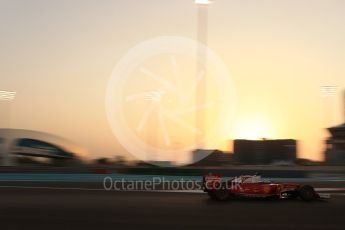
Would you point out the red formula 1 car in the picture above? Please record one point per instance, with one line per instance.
(253, 186)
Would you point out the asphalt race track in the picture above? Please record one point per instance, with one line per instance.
(29, 207)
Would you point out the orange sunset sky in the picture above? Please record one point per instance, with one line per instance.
(59, 55)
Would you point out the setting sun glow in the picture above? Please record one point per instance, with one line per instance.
(252, 129)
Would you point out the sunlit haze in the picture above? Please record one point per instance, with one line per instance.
(58, 56)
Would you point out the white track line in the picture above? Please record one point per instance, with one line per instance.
(52, 188)
(165, 191)
(329, 189)
(100, 189)
(338, 194)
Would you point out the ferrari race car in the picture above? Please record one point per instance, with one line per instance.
(253, 186)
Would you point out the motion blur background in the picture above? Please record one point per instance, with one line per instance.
(58, 56)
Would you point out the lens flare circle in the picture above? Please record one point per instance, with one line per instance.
(137, 55)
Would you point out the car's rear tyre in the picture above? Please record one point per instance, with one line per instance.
(219, 194)
(307, 193)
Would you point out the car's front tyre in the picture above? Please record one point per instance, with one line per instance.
(307, 193)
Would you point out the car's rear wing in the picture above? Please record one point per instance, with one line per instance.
(211, 181)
